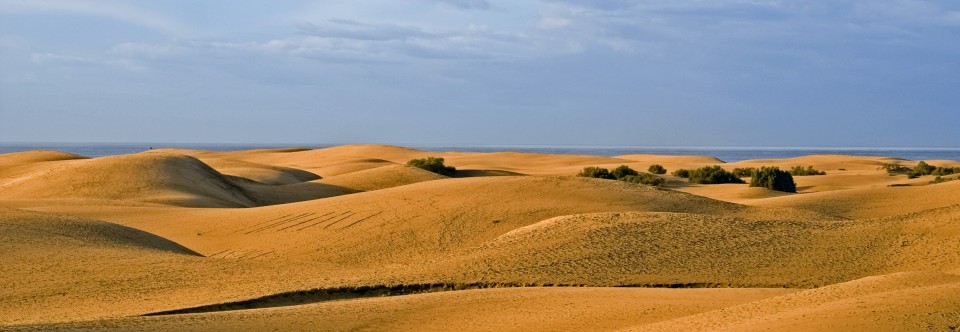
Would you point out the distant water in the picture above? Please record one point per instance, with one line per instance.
(729, 154)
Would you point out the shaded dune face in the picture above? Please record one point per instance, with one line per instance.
(25, 232)
(326, 238)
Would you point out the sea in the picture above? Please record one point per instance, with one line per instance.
(725, 153)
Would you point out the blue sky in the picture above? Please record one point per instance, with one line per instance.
(472, 72)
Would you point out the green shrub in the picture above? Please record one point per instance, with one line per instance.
(773, 178)
(681, 173)
(913, 174)
(644, 178)
(800, 171)
(621, 171)
(713, 175)
(924, 169)
(941, 179)
(596, 172)
(433, 164)
(657, 169)
(940, 171)
(895, 169)
(744, 172)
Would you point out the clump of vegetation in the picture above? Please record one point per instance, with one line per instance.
(941, 171)
(681, 173)
(940, 179)
(596, 172)
(800, 171)
(773, 178)
(644, 178)
(744, 172)
(713, 175)
(895, 169)
(924, 169)
(657, 169)
(622, 171)
(433, 164)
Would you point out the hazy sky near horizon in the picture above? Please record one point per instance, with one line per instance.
(470, 72)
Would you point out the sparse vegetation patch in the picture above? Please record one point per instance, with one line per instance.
(622, 173)
(744, 172)
(433, 164)
(681, 173)
(596, 172)
(644, 178)
(800, 171)
(713, 175)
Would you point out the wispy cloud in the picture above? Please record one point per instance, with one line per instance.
(119, 11)
(465, 4)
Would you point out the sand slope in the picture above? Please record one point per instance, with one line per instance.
(693, 249)
(266, 174)
(382, 178)
(871, 202)
(518, 309)
(135, 242)
(166, 179)
(908, 301)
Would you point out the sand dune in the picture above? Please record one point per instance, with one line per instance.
(152, 178)
(401, 225)
(668, 159)
(872, 202)
(108, 239)
(382, 178)
(829, 162)
(27, 157)
(266, 174)
(488, 310)
(908, 301)
(528, 163)
(691, 249)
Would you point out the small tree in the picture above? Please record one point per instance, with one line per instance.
(713, 175)
(596, 172)
(622, 171)
(924, 169)
(657, 169)
(433, 164)
(681, 173)
(773, 178)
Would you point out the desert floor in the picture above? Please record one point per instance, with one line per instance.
(349, 238)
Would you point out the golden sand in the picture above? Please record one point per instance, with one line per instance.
(349, 238)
